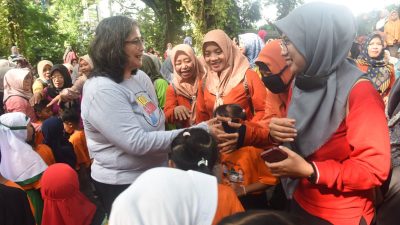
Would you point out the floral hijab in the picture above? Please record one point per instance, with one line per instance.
(378, 70)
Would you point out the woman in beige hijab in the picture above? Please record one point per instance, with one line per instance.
(181, 97)
(228, 80)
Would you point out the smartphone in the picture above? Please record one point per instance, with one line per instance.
(228, 129)
(274, 154)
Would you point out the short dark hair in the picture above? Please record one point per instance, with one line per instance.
(107, 48)
(70, 115)
(262, 217)
(38, 107)
(193, 146)
(231, 111)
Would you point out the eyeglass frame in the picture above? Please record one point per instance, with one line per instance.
(137, 41)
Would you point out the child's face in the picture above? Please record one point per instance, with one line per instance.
(45, 113)
(69, 127)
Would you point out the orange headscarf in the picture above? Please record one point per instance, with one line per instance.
(181, 86)
(233, 74)
(271, 56)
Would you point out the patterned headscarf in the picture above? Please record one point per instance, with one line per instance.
(253, 45)
(378, 70)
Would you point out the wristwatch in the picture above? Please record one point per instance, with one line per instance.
(313, 177)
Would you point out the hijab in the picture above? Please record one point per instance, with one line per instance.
(378, 70)
(53, 133)
(188, 40)
(271, 56)
(167, 196)
(19, 162)
(52, 91)
(149, 68)
(14, 84)
(253, 45)
(235, 69)
(167, 69)
(262, 34)
(63, 202)
(320, 109)
(14, 207)
(40, 68)
(181, 87)
(87, 59)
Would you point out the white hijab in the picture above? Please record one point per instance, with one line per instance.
(19, 161)
(167, 196)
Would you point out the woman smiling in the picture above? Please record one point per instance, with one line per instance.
(182, 93)
(228, 80)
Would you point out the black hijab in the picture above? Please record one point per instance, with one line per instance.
(53, 133)
(14, 207)
(52, 91)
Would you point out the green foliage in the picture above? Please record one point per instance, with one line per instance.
(285, 6)
(151, 28)
(249, 12)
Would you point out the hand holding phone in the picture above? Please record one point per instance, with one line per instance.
(273, 155)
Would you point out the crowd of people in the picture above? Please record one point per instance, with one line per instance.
(303, 129)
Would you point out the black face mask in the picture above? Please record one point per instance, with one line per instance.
(275, 83)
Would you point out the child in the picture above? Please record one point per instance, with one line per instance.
(71, 120)
(42, 113)
(244, 170)
(195, 149)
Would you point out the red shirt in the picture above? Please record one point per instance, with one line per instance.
(355, 160)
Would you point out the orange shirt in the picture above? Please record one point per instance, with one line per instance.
(245, 166)
(257, 134)
(78, 140)
(46, 153)
(173, 100)
(228, 203)
(238, 95)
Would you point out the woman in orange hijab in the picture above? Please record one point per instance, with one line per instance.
(228, 79)
(181, 97)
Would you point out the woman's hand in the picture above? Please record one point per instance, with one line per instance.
(56, 99)
(282, 129)
(228, 141)
(36, 98)
(181, 113)
(294, 166)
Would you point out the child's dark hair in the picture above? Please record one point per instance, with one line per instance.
(194, 149)
(70, 115)
(38, 107)
(231, 111)
(262, 217)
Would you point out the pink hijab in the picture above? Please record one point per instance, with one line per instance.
(233, 74)
(181, 86)
(14, 84)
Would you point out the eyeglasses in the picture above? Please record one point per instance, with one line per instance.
(284, 43)
(136, 41)
(267, 73)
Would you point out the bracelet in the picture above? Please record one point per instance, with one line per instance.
(244, 189)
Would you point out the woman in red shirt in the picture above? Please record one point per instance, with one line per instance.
(181, 97)
(339, 139)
